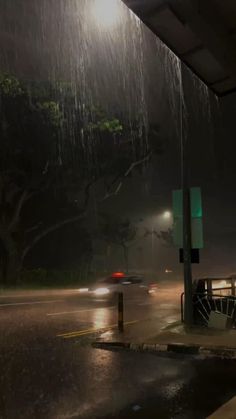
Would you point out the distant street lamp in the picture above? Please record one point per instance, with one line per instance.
(164, 219)
(167, 215)
(106, 12)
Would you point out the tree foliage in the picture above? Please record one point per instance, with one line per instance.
(166, 237)
(118, 231)
(51, 154)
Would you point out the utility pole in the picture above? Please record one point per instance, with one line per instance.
(187, 242)
(152, 250)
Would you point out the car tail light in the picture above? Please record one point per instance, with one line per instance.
(118, 275)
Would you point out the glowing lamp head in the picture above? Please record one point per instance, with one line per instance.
(167, 215)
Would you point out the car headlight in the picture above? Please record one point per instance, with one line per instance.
(83, 289)
(101, 291)
(152, 291)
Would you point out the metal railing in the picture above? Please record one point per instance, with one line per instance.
(204, 303)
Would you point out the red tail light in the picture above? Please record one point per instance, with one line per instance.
(118, 275)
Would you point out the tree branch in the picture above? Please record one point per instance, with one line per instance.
(18, 209)
(50, 229)
(87, 192)
(60, 224)
(125, 175)
(33, 228)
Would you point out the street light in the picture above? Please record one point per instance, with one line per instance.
(164, 220)
(167, 215)
(106, 12)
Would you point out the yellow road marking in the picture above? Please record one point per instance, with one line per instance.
(93, 330)
(77, 311)
(80, 334)
(81, 331)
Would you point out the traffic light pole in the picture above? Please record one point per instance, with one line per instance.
(188, 301)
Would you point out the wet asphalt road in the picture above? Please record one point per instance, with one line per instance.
(49, 370)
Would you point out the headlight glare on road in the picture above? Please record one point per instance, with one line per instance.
(151, 291)
(83, 290)
(101, 291)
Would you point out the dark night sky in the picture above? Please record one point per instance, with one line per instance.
(49, 39)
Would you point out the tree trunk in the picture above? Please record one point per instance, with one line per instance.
(13, 267)
(10, 263)
(3, 262)
(126, 258)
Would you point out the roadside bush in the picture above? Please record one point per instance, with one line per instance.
(42, 278)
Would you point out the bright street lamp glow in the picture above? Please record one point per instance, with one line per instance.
(106, 12)
(167, 215)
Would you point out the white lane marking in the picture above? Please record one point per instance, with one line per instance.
(79, 311)
(30, 303)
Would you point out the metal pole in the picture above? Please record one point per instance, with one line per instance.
(120, 312)
(188, 302)
(152, 251)
(233, 286)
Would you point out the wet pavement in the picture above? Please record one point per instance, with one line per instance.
(49, 369)
(185, 390)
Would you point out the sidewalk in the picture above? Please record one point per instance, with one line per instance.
(178, 334)
(227, 411)
(173, 338)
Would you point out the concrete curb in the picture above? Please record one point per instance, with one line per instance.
(226, 411)
(170, 350)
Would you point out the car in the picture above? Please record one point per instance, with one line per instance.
(129, 284)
